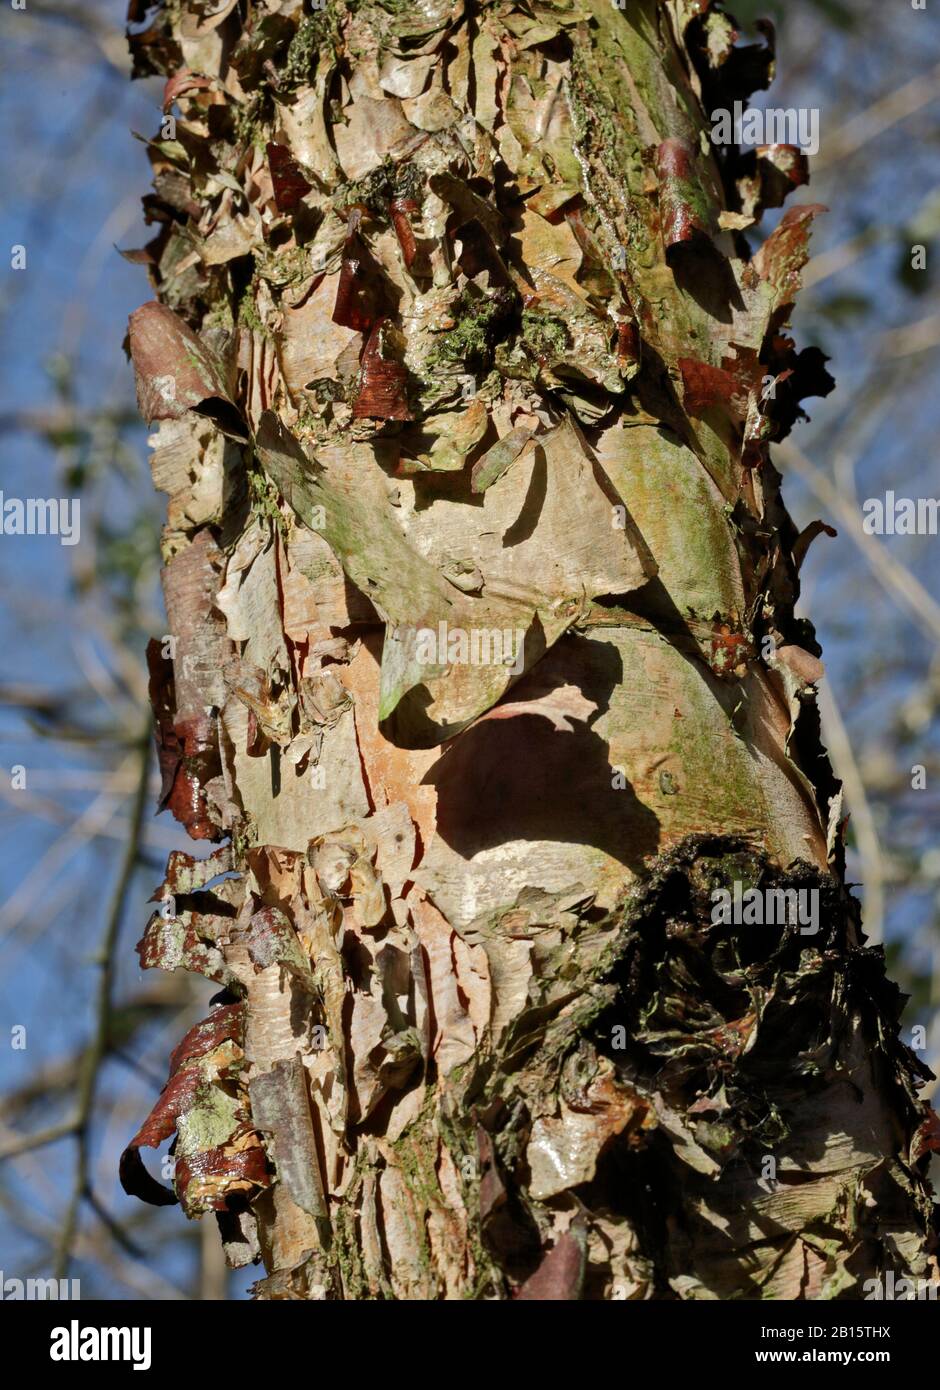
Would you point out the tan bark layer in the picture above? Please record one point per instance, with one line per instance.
(458, 333)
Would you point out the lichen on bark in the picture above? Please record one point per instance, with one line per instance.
(459, 337)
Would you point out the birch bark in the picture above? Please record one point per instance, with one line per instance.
(483, 673)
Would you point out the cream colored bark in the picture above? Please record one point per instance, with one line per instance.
(459, 342)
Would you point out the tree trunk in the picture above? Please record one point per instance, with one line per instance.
(483, 674)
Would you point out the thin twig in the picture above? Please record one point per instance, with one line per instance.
(839, 258)
(93, 818)
(863, 822)
(911, 338)
(97, 1048)
(24, 1143)
(897, 580)
(880, 116)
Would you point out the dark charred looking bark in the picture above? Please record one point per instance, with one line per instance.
(483, 674)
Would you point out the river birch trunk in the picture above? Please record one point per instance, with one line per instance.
(482, 678)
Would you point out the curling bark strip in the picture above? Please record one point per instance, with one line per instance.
(458, 329)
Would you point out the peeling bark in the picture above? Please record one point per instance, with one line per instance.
(487, 673)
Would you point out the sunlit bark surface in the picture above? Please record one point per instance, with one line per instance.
(482, 673)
